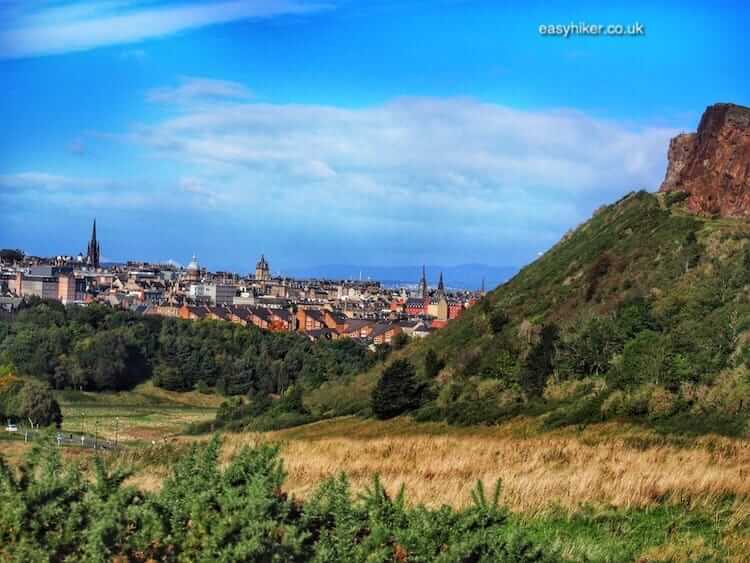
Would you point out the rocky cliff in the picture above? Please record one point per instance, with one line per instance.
(713, 165)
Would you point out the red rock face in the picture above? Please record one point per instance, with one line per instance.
(713, 165)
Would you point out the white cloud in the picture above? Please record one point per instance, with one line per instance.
(195, 88)
(29, 30)
(460, 159)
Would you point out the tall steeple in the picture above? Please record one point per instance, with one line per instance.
(423, 292)
(441, 286)
(93, 252)
(262, 269)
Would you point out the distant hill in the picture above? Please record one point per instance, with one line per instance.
(463, 276)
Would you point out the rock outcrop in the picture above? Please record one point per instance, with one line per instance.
(713, 165)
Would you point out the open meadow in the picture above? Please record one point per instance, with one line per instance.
(137, 419)
(609, 492)
(145, 414)
(606, 492)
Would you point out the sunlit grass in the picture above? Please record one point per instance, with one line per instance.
(145, 414)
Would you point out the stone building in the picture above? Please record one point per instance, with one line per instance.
(262, 269)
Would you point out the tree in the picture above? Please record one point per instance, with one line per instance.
(432, 364)
(11, 255)
(498, 320)
(106, 359)
(538, 363)
(397, 391)
(647, 358)
(399, 341)
(35, 401)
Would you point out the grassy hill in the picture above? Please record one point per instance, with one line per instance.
(640, 313)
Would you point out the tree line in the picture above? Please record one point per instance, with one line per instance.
(98, 348)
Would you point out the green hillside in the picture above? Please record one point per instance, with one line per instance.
(641, 312)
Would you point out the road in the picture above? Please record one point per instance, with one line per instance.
(81, 440)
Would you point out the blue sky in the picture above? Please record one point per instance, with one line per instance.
(371, 133)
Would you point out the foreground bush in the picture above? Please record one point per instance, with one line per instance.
(203, 513)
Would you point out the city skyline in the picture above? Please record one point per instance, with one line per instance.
(338, 132)
(463, 276)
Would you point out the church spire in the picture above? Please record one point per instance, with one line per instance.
(93, 252)
(441, 286)
(423, 292)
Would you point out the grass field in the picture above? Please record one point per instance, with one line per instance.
(608, 492)
(142, 415)
(607, 465)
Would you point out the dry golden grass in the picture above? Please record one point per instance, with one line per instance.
(12, 451)
(607, 464)
(604, 465)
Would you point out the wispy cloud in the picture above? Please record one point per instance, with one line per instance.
(195, 88)
(430, 152)
(35, 181)
(64, 191)
(33, 29)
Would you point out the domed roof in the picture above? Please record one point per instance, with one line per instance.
(193, 266)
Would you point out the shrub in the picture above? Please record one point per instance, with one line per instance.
(729, 394)
(202, 387)
(675, 197)
(341, 398)
(479, 401)
(585, 410)
(238, 513)
(649, 400)
(573, 389)
(598, 270)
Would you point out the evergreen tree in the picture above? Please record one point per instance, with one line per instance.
(432, 364)
(538, 364)
(397, 391)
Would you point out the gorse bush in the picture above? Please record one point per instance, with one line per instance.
(239, 513)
